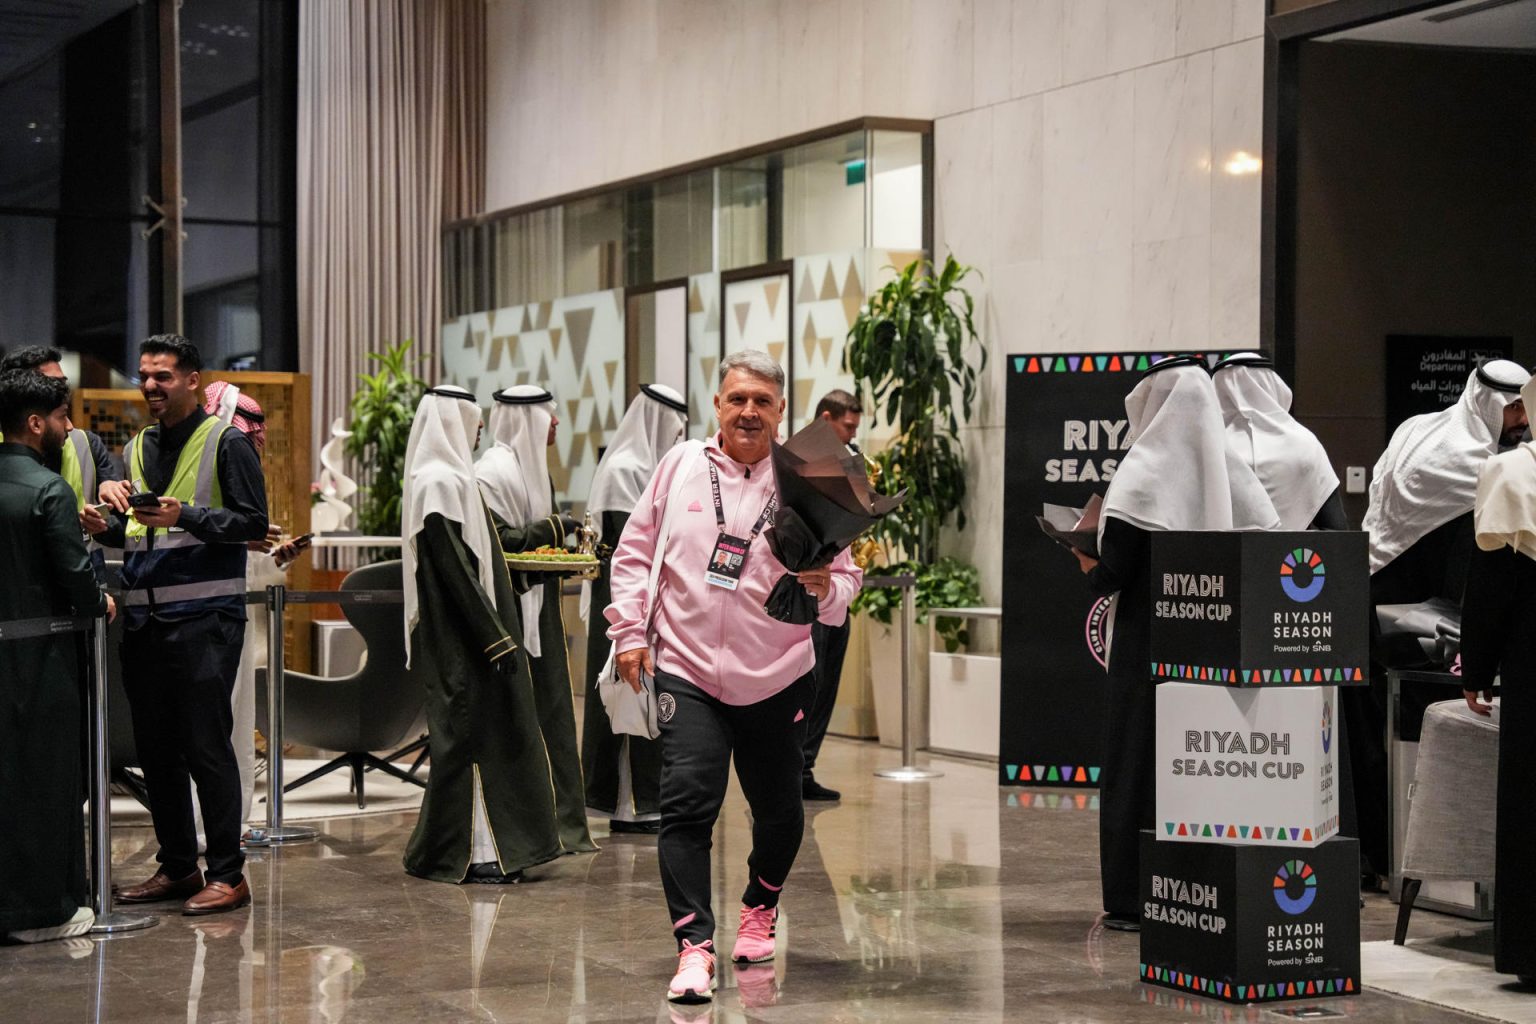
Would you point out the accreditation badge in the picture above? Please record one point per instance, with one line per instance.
(726, 562)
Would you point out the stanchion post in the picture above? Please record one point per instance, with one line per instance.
(909, 771)
(108, 920)
(276, 832)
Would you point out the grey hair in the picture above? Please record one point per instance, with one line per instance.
(755, 362)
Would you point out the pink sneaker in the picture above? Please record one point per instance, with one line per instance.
(754, 938)
(694, 981)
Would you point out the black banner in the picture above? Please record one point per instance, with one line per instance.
(1426, 372)
(1248, 924)
(1066, 434)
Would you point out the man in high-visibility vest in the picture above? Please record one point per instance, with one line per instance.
(184, 602)
(84, 462)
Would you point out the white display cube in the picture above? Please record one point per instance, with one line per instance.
(1248, 766)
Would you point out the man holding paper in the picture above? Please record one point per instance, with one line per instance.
(1178, 436)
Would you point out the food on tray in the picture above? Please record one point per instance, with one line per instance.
(549, 554)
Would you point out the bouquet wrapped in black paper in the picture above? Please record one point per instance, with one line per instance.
(825, 502)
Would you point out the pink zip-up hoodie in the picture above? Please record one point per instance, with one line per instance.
(721, 641)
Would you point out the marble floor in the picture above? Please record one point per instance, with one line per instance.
(949, 900)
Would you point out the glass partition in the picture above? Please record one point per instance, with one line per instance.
(824, 195)
(742, 213)
(657, 280)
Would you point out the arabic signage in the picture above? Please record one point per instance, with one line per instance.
(1426, 372)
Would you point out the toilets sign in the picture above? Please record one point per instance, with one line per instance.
(1260, 608)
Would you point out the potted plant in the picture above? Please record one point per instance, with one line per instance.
(382, 410)
(914, 350)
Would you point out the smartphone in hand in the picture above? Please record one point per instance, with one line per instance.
(144, 500)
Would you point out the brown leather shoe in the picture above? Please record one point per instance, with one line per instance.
(162, 887)
(218, 898)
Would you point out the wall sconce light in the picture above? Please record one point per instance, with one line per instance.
(1243, 163)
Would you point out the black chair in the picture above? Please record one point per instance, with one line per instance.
(374, 708)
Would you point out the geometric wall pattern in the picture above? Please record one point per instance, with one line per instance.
(574, 348)
(757, 316)
(830, 289)
(703, 352)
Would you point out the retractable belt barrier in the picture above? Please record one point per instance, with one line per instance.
(909, 770)
(276, 599)
(108, 920)
(22, 629)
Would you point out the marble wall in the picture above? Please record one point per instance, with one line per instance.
(1095, 159)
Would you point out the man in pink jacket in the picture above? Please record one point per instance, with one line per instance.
(729, 678)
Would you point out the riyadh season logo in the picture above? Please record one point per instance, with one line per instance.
(1327, 725)
(1303, 562)
(1295, 887)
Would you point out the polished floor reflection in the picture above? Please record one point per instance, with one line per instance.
(942, 901)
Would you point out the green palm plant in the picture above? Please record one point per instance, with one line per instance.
(912, 347)
(382, 410)
(915, 351)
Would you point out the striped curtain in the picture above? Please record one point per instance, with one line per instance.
(391, 146)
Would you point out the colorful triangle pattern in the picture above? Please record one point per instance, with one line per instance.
(1069, 774)
(1245, 992)
(1078, 363)
(1256, 676)
(1276, 833)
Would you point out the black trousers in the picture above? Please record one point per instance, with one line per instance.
(831, 645)
(698, 738)
(179, 677)
(1128, 795)
(1514, 909)
(1363, 713)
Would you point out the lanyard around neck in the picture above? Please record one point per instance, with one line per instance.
(762, 520)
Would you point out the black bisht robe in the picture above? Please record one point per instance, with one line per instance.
(1498, 637)
(551, 673)
(47, 572)
(1128, 792)
(482, 714)
(601, 751)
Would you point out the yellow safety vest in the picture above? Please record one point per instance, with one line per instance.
(169, 568)
(78, 468)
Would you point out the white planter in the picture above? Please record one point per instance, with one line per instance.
(963, 703)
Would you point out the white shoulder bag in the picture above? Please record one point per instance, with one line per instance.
(631, 713)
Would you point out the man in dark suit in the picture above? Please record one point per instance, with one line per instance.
(843, 411)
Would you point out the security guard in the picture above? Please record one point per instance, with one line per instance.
(85, 463)
(198, 498)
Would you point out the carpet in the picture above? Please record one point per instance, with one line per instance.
(1454, 971)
